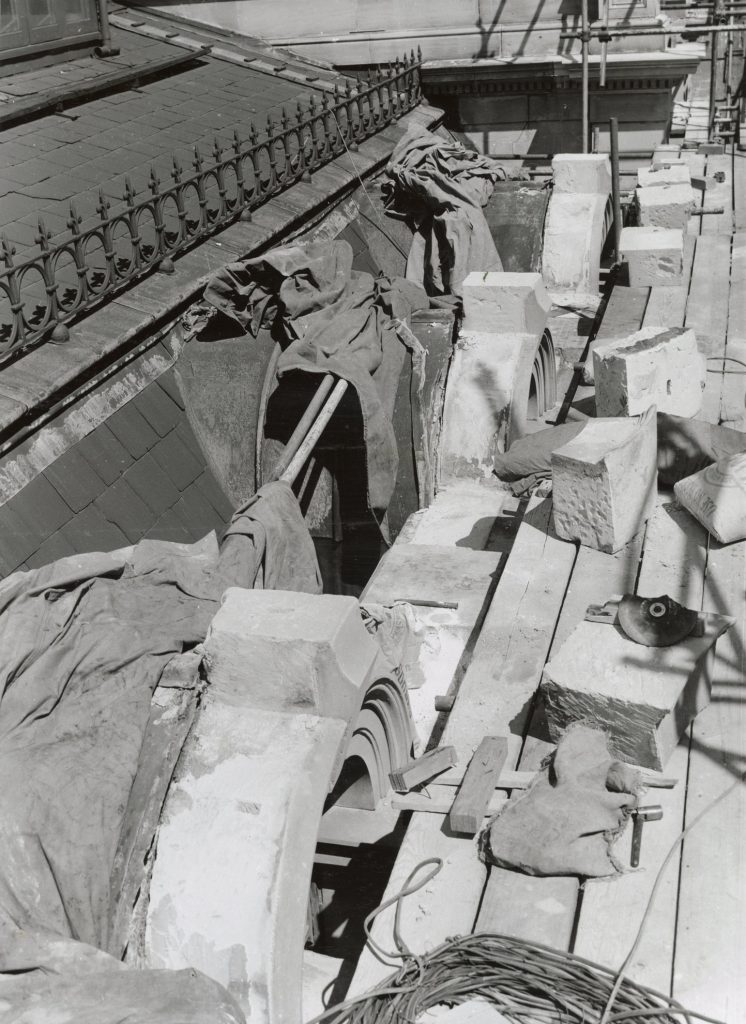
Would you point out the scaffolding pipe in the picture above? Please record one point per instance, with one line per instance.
(585, 38)
(680, 30)
(604, 46)
(717, 16)
(616, 197)
(105, 49)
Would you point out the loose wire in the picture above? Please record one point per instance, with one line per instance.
(527, 982)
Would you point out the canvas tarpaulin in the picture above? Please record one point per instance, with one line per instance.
(336, 320)
(85, 641)
(567, 821)
(444, 187)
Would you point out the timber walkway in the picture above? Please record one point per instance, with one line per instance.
(693, 944)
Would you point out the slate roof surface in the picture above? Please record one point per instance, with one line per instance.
(50, 160)
(139, 474)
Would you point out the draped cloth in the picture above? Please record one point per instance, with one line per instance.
(333, 319)
(85, 642)
(568, 820)
(444, 187)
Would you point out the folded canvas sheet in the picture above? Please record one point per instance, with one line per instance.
(85, 641)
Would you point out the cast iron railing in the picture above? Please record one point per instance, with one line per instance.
(41, 294)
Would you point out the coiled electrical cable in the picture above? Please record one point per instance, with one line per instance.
(526, 982)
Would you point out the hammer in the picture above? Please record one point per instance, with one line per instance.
(640, 816)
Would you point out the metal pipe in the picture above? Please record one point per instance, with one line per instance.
(105, 49)
(585, 39)
(615, 190)
(690, 30)
(717, 16)
(604, 46)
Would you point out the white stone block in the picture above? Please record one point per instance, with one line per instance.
(665, 206)
(574, 231)
(581, 172)
(654, 256)
(645, 697)
(286, 651)
(604, 481)
(665, 174)
(501, 302)
(651, 367)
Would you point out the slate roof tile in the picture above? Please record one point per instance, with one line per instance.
(108, 457)
(54, 547)
(90, 530)
(177, 461)
(152, 485)
(75, 479)
(123, 507)
(41, 508)
(158, 408)
(132, 430)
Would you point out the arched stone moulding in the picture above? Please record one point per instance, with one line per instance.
(297, 688)
(577, 223)
(503, 372)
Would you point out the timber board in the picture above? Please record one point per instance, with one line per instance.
(734, 370)
(544, 909)
(508, 659)
(718, 193)
(707, 313)
(711, 937)
(673, 562)
(695, 935)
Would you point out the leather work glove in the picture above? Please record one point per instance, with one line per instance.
(568, 820)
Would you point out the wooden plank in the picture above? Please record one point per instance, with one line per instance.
(739, 191)
(707, 311)
(544, 909)
(711, 936)
(673, 562)
(438, 799)
(495, 697)
(732, 394)
(623, 316)
(667, 305)
(473, 797)
(719, 194)
(422, 768)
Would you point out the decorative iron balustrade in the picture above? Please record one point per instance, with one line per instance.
(40, 295)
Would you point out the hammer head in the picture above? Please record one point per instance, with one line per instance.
(654, 812)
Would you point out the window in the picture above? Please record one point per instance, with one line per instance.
(33, 26)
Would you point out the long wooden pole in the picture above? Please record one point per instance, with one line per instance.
(298, 461)
(303, 425)
(585, 38)
(615, 189)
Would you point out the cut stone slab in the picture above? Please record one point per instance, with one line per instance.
(486, 403)
(581, 172)
(230, 883)
(286, 651)
(498, 302)
(654, 256)
(462, 514)
(574, 232)
(645, 697)
(667, 174)
(604, 482)
(652, 367)
(665, 206)
(432, 572)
